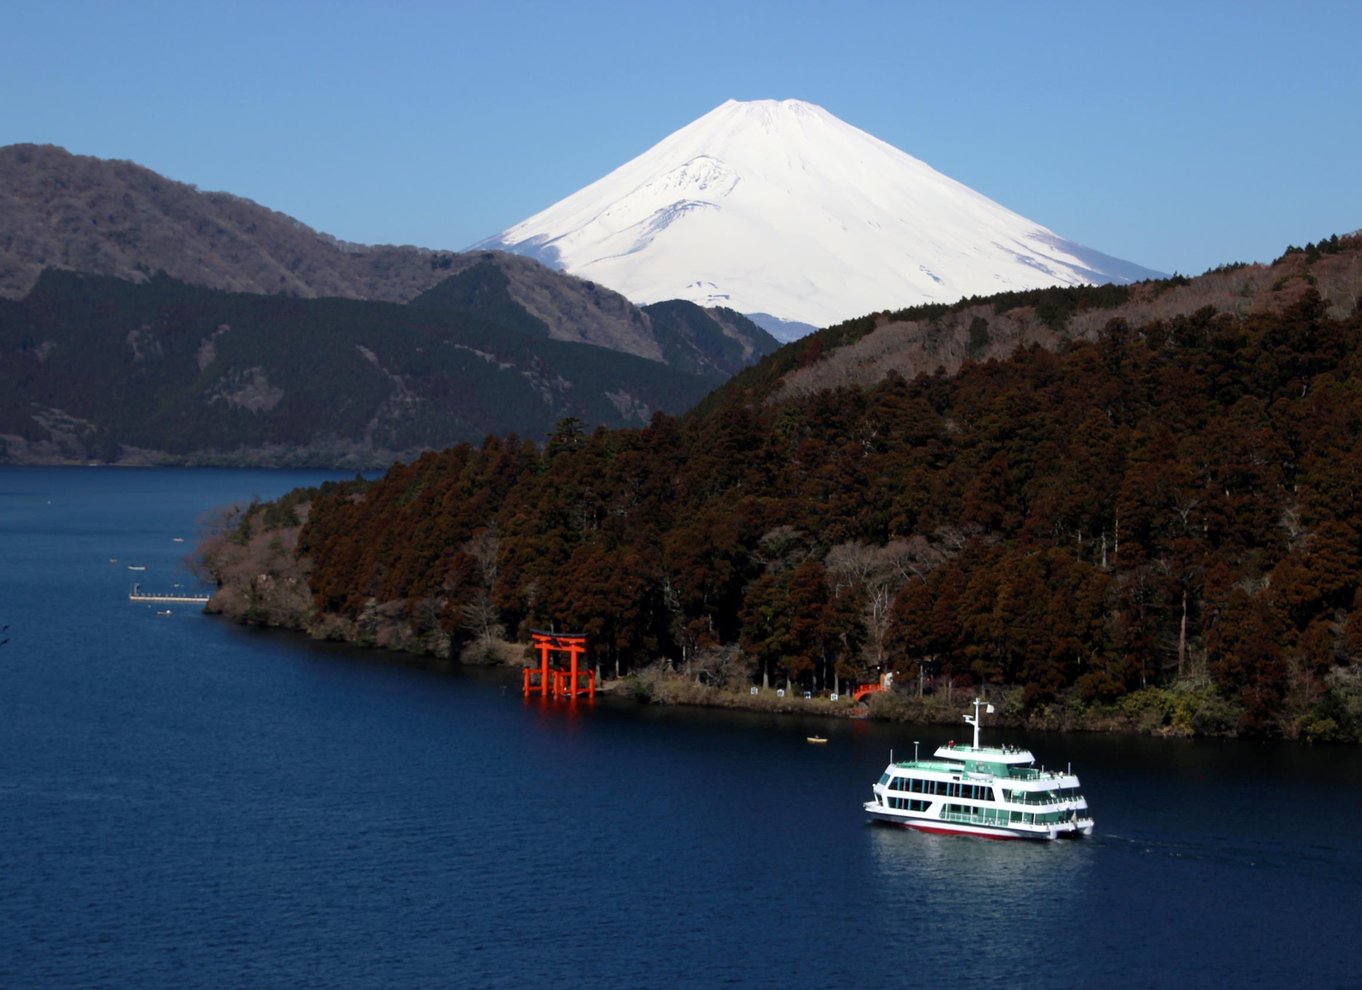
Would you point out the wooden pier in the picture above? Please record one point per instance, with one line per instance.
(138, 595)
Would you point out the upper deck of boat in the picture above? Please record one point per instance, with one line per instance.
(998, 761)
(1008, 755)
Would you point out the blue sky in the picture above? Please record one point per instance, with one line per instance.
(1175, 135)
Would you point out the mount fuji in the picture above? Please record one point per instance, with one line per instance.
(780, 210)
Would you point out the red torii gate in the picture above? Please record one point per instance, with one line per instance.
(548, 678)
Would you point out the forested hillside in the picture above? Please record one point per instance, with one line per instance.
(99, 369)
(923, 338)
(1166, 521)
(80, 213)
(75, 213)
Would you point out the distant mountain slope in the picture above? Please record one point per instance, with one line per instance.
(78, 213)
(924, 339)
(59, 210)
(95, 368)
(499, 285)
(779, 208)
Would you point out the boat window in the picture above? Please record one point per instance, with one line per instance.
(908, 804)
(884, 778)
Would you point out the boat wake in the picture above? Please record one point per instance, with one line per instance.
(1309, 860)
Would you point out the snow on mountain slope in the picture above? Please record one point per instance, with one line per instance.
(780, 208)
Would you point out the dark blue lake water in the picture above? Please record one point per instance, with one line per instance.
(184, 803)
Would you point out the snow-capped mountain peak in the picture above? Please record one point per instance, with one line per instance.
(778, 207)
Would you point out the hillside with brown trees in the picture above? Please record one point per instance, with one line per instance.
(924, 338)
(1157, 523)
(76, 213)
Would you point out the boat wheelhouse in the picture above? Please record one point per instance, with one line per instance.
(995, 792)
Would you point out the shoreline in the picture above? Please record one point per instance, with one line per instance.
(263, 582)
(1179, 712)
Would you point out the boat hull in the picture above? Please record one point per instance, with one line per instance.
(936, 826)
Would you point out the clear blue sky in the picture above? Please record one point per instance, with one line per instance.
(1175, 135)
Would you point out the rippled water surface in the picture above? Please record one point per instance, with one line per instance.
(188, 804)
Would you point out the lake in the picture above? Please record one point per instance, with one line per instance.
(186, 803)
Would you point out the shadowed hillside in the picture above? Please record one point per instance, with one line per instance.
(99, 369)
(83, 214)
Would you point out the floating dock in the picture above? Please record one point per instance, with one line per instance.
(138, 595)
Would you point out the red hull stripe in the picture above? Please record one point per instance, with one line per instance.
(957, 831)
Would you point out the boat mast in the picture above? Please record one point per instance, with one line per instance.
(974, 721)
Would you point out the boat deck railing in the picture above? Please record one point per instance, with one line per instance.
(1013, 772)
(1004, 818)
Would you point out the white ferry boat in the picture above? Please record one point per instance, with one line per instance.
(995, 792)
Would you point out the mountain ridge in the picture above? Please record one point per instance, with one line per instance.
(94, 368)
(941, 339)
(118, 218)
